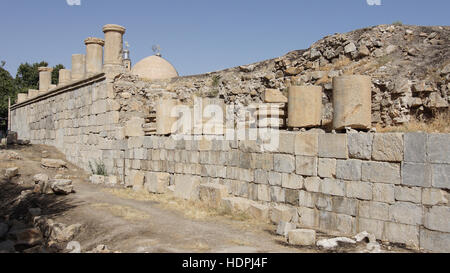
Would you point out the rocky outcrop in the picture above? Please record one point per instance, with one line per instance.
(409, 66)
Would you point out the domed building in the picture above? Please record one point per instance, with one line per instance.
(154, 68)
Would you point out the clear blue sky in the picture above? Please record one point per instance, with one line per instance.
(197, 36)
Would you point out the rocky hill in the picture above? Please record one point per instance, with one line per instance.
(409, 66)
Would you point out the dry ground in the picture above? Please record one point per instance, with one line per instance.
(127, 221)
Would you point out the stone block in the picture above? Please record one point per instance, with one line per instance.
(327, 167)
(283, 213)
(381, 172)
(344, 205)
(416, 174)
(259, 212)
(283, 228)
(441, 176)
(11, 172)
(133, 127)
(359, 190)
(306, 165)
(312, 184)
(302, 237)
(278, 195)
(438, 218)
(406, 213)
(401, 233)
(333, 187)
(348, 169)
(333, 146)
(433, 197)
(337, 223)
(307, 144)
(438, 146)
(287, 142)
(274, 96)
(360, 145)
(261, 161)
(275, 179)
(373, 210)
(284, 163)
(291, 181)
(408, 194)
(388, 147)
(434, 241)
(137, 180)
(264, 193)
(384, 193)
(212, 194)
(236, 204)
(306, 199)
(308, 217)
(157, 182)
(186, 186)
(415, 147)
(375, 227)
(261, 177)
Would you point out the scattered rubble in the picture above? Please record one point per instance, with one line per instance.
(53, 163)
(334, 242)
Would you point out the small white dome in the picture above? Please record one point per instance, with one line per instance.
(154, 68)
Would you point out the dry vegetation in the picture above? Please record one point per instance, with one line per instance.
(439, 124)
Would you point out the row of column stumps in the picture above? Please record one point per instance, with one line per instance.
(352, 104)
(101, 56)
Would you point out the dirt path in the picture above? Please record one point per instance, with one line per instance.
(152, 223)
(127, 221)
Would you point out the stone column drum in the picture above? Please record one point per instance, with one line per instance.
(94, 55)
(45, 78)
(65, 77)
(113, 47)
(352, 102)
(78, 67)
(304, 106)
(165, 116)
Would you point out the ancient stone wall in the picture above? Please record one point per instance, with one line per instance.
(395, 186)
(80, 119)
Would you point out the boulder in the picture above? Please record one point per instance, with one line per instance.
(11, 172)
(365, 236)
(62, 186)
(40, 178)
(53, 163)
(62, 233)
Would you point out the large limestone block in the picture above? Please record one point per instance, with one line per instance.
(133, 127)
(352, 102)
(236, 204)
(53, 163)
(283, 213)
(333, 146)
(186, 186)
(434, 241)
(438, 146)
(212, 194)
(21, 97)
(274, 96)
(78, 66)
(157, 182)
(302, 237)
(166, 116)
(438, 218)
(388, 147)
(304, 106)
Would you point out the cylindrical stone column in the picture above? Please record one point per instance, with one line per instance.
(45, 78)
(113, 47)
(165, 116)
(78, 67)
(65, 77)
(352, 102)
(94, 55)
(304, 106)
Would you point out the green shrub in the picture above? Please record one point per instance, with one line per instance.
(99, 168)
